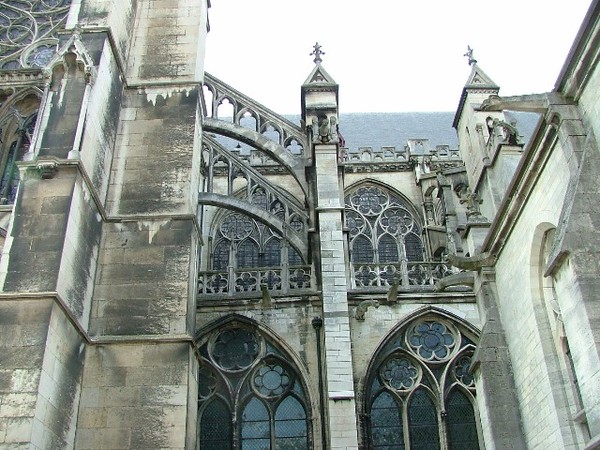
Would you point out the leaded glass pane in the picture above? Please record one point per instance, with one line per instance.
(386, 423)
(462, 431)
(290, 425)
(413, 247)
(259, 198)
(247, 254)
(221, 255)
(362, 250)
(422, 422)
(255, 427)
(388, 249)
(215, 426)
(294, 258)
(272, 253)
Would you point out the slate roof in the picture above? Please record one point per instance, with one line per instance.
(378, 130)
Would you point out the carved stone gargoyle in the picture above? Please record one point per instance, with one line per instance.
(469, 264)
(361, 309)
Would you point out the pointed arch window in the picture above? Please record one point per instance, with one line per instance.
(245, 243)
(420, 392)
(15, 137)
(383, 227)
(250, 396)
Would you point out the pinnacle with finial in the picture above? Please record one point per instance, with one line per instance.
(317, 52)
(469, 55)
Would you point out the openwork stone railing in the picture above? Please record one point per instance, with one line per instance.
(278, 280)
(422, 273)
(413, 149)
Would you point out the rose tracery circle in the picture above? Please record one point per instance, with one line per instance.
(400, 373)
(271, 379)
(431, 340)
(369, 200)
(462, 372)
(235, 349)
(396, 221)
(237, 226)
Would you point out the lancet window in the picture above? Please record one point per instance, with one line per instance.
(420, 393)
(16, 132)
(250, 395)
(383, 227)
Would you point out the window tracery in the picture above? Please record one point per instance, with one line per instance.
(419, 391)
(28, 31)
(250, 395)
(382, 227)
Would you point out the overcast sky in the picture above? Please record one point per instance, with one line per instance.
(389, 55)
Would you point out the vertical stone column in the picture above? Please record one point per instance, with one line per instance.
(496, 393)
(338, 357)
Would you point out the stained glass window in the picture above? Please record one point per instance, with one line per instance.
(290, 425)
(215, 426)
(254, 244)
(405, 401)
(422, 422)
(15, 138)
(362, 250)
(263, 387)
(382, 226)
(386, 423)
(462, 432)
(272, 253)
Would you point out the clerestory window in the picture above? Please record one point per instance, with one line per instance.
(382, 226)
(249, 394)
(420, 393)
(244, 243)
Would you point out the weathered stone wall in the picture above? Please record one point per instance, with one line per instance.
(101, 121)
(23, 331)
(528, 335)
(35, 238)
(155, 156)
(41, 366)
(115, 15)
(75, 283)
(142, 283)
(136, 396)
(167, 42)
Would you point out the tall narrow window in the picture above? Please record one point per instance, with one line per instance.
(421, 372)
(462, 432)
(15, 138)
(215, 426)
(248, 381)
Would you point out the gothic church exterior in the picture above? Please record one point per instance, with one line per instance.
(183, 268)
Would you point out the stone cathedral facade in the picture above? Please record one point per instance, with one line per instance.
(183, 268)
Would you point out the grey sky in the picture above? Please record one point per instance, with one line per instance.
(389, 55)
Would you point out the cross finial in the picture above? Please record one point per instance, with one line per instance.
(317, 52)
(469, 55)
